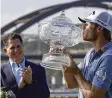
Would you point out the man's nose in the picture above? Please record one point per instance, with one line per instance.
(16, 49)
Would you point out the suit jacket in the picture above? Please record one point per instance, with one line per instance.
(38, 88)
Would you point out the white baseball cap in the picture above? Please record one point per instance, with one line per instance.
(103, 19)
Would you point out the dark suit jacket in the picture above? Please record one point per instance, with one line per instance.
(38, 88)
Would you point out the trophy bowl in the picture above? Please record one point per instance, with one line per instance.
(59, 33)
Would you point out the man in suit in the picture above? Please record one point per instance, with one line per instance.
(24, 78)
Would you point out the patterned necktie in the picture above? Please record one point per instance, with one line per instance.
(16, 72)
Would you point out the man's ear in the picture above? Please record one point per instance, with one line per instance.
(100, 28)
(5, 50)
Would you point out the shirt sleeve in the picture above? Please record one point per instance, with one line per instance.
(103, 75)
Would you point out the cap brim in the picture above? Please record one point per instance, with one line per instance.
(82, 20)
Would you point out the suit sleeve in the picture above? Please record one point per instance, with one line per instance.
(6, 87)
(39, 86)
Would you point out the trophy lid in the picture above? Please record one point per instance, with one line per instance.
(62, 18)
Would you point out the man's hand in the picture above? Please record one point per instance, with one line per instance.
(27, 75)
(21, 83)
(72, 67)
(68, 69)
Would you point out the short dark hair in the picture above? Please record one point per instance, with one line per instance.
(11, 36)
(106, 33)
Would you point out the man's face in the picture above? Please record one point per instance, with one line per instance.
(14, 50)
(90, 32)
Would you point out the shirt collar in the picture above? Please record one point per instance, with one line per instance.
(22, 64)
(103, 49)
(106, 46)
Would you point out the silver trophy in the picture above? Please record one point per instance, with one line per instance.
(59, 33)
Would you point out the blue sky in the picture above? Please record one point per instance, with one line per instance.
(12, 9)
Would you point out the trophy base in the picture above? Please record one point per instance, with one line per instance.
(54, 61)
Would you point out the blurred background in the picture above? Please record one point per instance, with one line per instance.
(12, 18)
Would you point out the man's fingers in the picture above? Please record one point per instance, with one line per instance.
(67, 69)
(26, 72)
(29, 68)
(64, 68)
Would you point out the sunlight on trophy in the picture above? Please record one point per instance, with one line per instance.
(59, 33)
